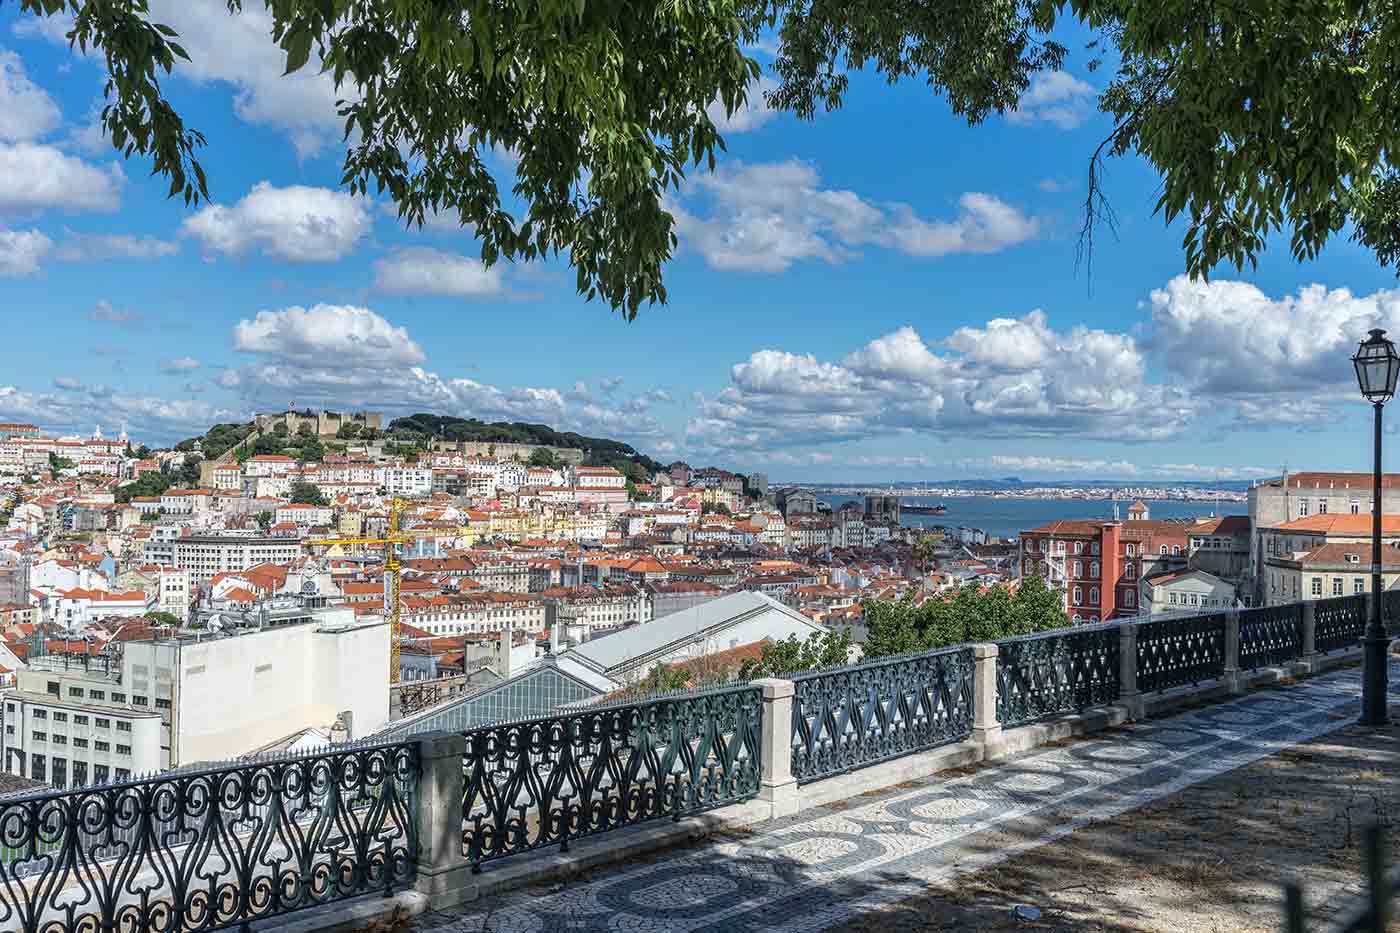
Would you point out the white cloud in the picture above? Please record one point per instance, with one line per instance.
(94, 247)
(750, 115)
(104, 311)
(21, 251)
(297, 223)
(1229, 338)
(26, 110)
(34, 178)
(1057, 98)
(67, 383)
(1012, 378)
(422, 271)
(79, 406)
(238, 50)
(1054, 185)
(765, 217)
(342, 335)
(180, 364)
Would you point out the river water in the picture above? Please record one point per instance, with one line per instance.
(1006, 517)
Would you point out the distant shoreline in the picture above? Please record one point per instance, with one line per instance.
(1042, 492)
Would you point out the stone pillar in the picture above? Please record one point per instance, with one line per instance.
(443, 872)
(1307, 661)
(1129, 697)
(1233, 677)
(777, 786)
(986, 728)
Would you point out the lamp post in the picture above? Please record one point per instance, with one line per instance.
(1377, 366)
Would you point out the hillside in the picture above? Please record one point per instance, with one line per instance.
(424, 427)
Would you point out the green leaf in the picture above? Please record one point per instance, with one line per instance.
(298, 48)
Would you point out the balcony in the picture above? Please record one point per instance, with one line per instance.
(842, 799)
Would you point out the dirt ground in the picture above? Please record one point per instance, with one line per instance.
(1210, 859)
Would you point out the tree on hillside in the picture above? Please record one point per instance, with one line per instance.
(719, 508)
(925, 550)
(303, 493)
(542, 457)
(57, 463)
(1259, 116)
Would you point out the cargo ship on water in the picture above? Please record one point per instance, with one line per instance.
(938, 509)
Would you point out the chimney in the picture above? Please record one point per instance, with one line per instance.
(507, 645)
(554, 635)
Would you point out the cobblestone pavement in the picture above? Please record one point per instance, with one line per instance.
(825, 866)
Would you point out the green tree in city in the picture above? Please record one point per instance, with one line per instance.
(925, 550)
(542, 457)
(971, 613)
(188, 476)
(280, 429)
(264, 520)
(792, 655)
(304, 493)
(718, 508)
(57, 463)
(311, 450)
(159, 617)
(305, 430)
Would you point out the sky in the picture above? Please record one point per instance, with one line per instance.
(880, 294)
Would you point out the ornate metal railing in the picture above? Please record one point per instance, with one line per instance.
(1339, 623)
(545, 781)
(1067, 670)
(1390, 608)
(1178, 652)
(209, 849)
(852, 717)
(1270, 636)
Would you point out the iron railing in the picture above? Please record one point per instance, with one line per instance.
(544, 781)
(209, 849)
(852, 717)
(1270, 636)
(1180, 652)
(1067, 670)
(1340, 623)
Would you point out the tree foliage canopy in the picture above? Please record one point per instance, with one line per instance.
(968, 614)
(1259, 116)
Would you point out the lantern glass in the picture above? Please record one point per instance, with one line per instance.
(1377, 367)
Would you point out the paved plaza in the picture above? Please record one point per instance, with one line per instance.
(828, 865)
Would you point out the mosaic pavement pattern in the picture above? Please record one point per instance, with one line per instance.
(823, 866)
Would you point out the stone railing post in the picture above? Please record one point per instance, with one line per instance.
(1129, 697)
(1232, 678)
(443, 872)
(986, 728)
(1308, 653)
(777, 787)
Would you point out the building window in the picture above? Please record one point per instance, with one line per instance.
(1078, 595)
(1163, 550)
(53, 688)
(1028, 564)
(101, 746)
(1321, 506)
(1130, 570)
(123, 749)
(75, 691)
(1079, 568)
(79, 742)
(60, 739)
(100, 774)
(1317, 586)
(97, 694)
(123, 726)
(1093, 547)
(1336, 586)
(102, 722)
(1302, 508)
(1093, 595)
(118, 697)
(123, 774)
(1358, 586)
(1094, 569)
(1176, 550)
(60, 773)
(60, 717)
(1079, 547)
(79, 773)
(40, 714)
(40, 736)
(36, 768)
(1129, 598)
(1355, 507)
(137, 700)
(162, 704)
(1131, 551)
(1075, 619)
(1193, 599)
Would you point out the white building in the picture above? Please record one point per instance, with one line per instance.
(204, 556)
(170, 702)
(408, 481)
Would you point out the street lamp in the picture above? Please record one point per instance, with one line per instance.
(1377, 366)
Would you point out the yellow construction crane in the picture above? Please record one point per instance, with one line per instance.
(391, 542)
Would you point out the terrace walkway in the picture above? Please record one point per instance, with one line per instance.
(846, 863)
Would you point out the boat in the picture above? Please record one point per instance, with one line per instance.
(925, 509)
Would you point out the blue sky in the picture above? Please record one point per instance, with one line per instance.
(883, 293)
